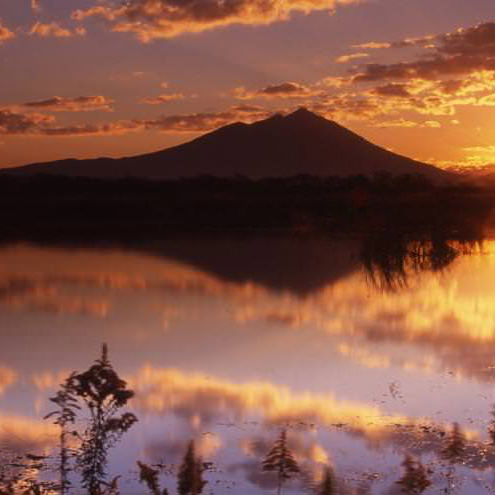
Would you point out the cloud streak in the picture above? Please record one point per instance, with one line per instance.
(7, 379)
(16, 122)
(5, 33)
(460, 52)
(343, 59)
(285, 90)
(164, 98)
(54, 30)
(78, 104)
(155, 19)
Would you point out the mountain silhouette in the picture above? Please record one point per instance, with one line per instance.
(280, 146)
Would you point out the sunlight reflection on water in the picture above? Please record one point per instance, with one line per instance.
(225, 348)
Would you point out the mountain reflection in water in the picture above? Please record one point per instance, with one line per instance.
(227, 341)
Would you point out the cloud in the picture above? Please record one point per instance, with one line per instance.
(7, 378)
(203, 122)
(162, 391)
(16, 122)
(54, 30)
(406, 123)
(391, 98)
(48, 380)
(479, 155)
(202, 401)
(155, 19)
(13, 122)
(5, 33)
(283, 90)
(164, 98)
(343, 59)
(372, 45)
(21, 434)
(78, 104)
(477, 40)
(460, 52)
(35, 5)
(393, 89)
(17, 293)
(102, 129)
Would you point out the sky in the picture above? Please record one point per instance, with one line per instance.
(90, 78)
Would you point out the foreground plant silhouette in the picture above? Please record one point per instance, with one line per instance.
(328, 485)
(104, 393)
(190, 479)
(149, 476)
(64, 415)
(281, 460)
(415, 479)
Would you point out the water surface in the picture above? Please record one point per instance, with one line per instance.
(228, 341)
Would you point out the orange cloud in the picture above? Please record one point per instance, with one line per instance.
(17, 293)
(78, 104)
(283, 90)
(372, 45)
(22, 434)
(48, 380)
(171, 391)
(102, 129)
(164, 98)
(406, 123)
(392, 89)
(54, 30)
(14, 121)
(203, 400)
(5, 33)
(7, 378)
(343, 59)
(203, 122)
(463, 51)
(154, 19)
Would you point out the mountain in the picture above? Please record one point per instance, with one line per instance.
(280, 146)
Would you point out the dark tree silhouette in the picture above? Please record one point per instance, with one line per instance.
(149, 476)
(104, 393)
(453, 452)
(455, 445)
(491, 427)
(190, 479)
(281, 460)
(63, 416)
(328, 485)
(415, 479)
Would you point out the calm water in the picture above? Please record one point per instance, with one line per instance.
(227, 342)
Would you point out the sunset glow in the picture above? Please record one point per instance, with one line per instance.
(99, 78)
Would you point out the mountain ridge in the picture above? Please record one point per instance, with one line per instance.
(280, 146)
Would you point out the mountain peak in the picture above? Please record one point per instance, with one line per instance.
(303, 117)
(302, 111)
(280, 146)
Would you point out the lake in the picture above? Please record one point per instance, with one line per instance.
(228, 342)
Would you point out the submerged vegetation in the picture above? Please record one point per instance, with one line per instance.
(390, 261)
(281, 461)
(95, 399)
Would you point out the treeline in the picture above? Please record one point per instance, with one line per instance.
(64, 207)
